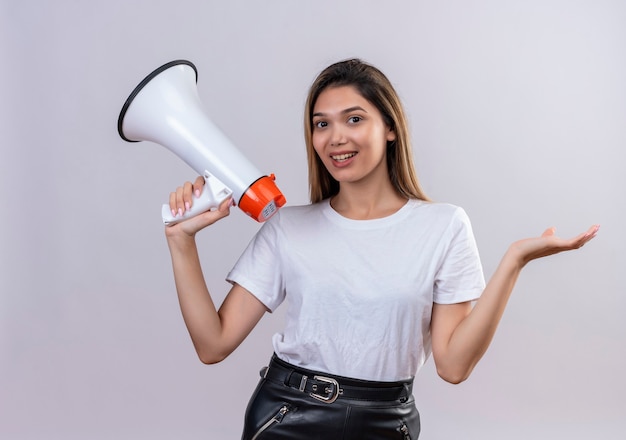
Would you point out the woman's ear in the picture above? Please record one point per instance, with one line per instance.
(391, 135)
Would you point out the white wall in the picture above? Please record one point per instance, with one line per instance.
(518, 113)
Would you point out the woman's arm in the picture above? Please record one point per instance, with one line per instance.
(215, 333)
(461, 334)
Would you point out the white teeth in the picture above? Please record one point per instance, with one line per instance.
(341, 157)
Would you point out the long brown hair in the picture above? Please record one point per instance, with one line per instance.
(374, 86)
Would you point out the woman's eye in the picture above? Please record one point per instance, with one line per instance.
(354, 119)
(321, 124)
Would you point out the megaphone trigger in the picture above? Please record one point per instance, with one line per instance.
(213, 194)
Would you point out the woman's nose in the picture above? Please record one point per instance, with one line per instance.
(337, 137)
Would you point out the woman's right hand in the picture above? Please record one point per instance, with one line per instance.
(181, 201)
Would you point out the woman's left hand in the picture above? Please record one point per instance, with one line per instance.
(549, 244)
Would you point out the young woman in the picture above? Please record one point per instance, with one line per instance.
(376, 277)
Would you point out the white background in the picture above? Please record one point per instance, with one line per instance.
(518, 114)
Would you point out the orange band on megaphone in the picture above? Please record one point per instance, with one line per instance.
(262, 199)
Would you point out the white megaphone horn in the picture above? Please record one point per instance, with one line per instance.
(165, 108)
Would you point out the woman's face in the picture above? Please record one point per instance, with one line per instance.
(350, 136)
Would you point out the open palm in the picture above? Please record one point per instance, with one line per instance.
(549, 244)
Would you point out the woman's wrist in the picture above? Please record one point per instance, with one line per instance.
(176, 237)
(515, 257)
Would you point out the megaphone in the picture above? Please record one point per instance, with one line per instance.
(165, 108)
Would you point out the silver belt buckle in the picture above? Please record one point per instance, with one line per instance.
(331, 393)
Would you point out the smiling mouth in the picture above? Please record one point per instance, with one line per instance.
(342, 157)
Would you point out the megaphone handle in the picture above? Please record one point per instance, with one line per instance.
(213, 193)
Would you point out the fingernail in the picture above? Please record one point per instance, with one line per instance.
(180, 211)
(173, 213)
(197, 193)
(187, 206)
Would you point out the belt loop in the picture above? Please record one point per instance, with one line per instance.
(406, 394)
(288, 377)
(263, 372)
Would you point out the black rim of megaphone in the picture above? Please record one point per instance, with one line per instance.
(141, 85)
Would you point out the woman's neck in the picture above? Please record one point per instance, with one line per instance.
(367, 202)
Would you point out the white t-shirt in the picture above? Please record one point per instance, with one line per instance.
(360, 292)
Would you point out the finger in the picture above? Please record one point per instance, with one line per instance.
(592, 231)
(589, 235)
(210, 217)
(583, 238)
(548, 232)
(198, 184)
(226, 204)
(180, 201)
(173, 207)
(187, 196)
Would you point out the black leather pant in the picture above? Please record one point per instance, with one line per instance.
(285, 406)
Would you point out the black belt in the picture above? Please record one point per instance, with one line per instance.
(327, 388)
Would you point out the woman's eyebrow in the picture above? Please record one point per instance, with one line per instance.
(348, 110)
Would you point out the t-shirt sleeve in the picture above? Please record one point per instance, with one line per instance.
(258, 268)
(460, 276)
